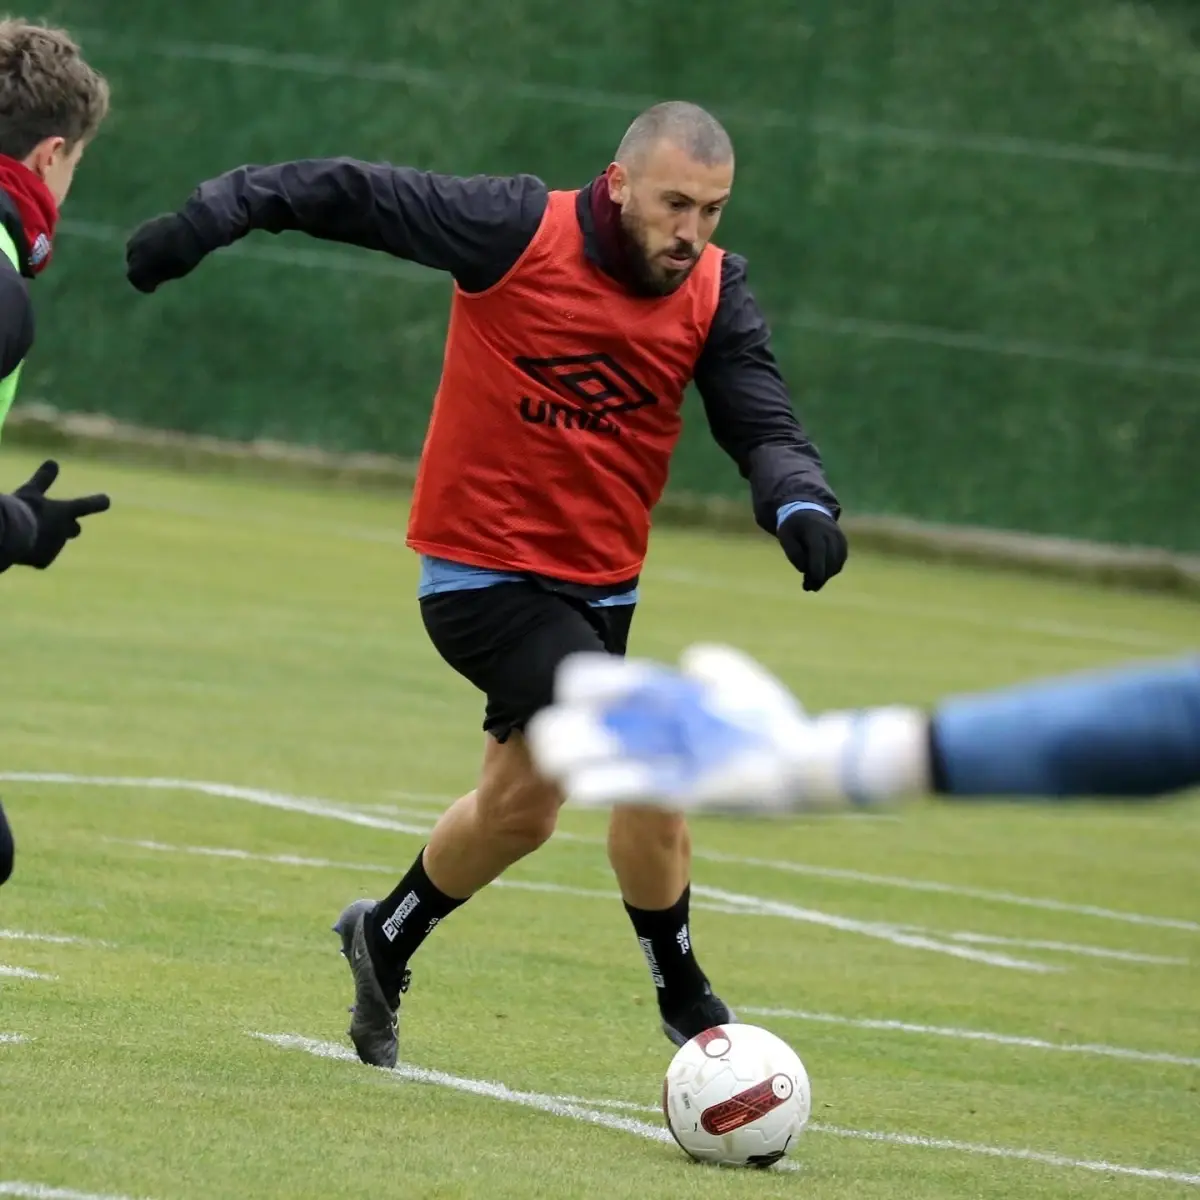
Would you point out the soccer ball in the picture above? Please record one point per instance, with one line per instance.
(736, 1095)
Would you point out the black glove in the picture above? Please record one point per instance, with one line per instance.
(57, 520)
(815, 546)
(7, 849)
(18, 530)
(165, 247)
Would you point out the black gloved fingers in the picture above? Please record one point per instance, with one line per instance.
(86, 506)
(816, 570)
(39, 483)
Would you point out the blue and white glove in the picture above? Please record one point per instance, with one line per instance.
(719, 734)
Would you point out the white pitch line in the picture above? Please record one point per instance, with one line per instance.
(903, 883)
(1130, 956)
(726, 902)
(22, 973)
(558, 1106)
(12, 1039)
(972, 1035)
(41, 1191)
(301, 804)
(395, 810)
(1036, 1156)
(20, 935)
(887, 933)
(588, 1111)
(329, 810)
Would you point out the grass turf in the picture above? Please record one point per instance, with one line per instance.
(267, 637)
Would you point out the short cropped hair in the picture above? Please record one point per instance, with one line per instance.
(685, 125)
(46, 89)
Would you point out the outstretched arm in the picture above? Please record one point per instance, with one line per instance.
(721, 733)
(475, 228)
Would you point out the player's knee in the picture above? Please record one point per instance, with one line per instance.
(664, 833)
(521, 814)
(514, 802)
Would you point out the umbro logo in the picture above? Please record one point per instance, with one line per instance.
(593, 389)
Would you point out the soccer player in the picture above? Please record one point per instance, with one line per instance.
(51, 106)
(723, 734)
(577, 320)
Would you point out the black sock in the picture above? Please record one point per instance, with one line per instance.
(402, 921)
(666, 942)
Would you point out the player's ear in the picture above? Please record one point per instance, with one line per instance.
(618, 183)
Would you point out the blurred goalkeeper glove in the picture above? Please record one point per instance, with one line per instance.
(720, 735)
(721, 732)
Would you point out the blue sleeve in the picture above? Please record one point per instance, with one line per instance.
(1131, 731)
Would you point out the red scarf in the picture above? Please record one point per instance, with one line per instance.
(37, 208)
(611, 238)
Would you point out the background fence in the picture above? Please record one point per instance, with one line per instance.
(972, 224)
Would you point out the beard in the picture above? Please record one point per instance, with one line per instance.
(653, 273)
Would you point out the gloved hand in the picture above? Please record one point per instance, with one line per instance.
(815, 546)
(7, 849)
(717, 734)
(57, 520)
(720, 733)
(162, 248)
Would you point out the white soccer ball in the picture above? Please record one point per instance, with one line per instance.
(736, 1095)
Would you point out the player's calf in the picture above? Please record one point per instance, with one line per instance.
(510, 814)
(650, 853)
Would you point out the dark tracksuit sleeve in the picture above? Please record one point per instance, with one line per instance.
(7, 849)
(748, 407)
(18, 527)
(475, 228)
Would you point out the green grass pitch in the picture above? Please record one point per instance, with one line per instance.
(1004, 998)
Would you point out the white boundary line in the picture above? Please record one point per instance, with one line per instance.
(301, 804)
(41, 1191)
(1036, 1156)
(325, 808)
(589, 1112)
(887, 933)
(972, 1035)
(903, 883)
(989, 939)
(560, 1106)
(727, 902)
(20, 935)
(751, 905)
(12, 1039)
(23, 973)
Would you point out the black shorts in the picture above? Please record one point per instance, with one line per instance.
(509, 638)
